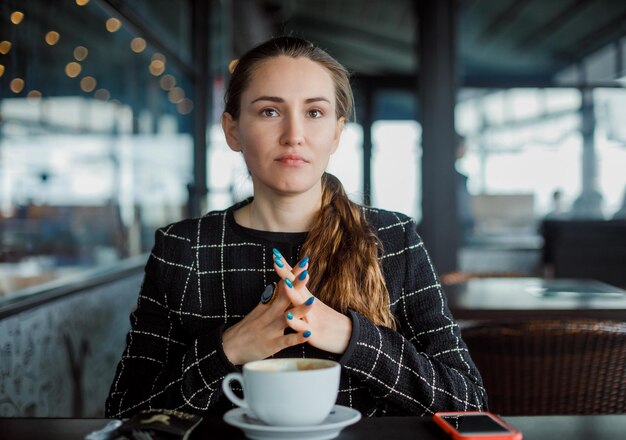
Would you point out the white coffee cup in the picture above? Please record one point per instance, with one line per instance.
(287, 392)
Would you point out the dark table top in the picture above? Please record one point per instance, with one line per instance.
(503, 298)
(389, 428)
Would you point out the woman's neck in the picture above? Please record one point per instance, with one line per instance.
(280, 214)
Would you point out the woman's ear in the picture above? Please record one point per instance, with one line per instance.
(341, 122)
(231, 132)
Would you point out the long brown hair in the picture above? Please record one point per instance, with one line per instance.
(342, 247)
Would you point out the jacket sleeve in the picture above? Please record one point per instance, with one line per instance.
(163, 366)
(424, 366)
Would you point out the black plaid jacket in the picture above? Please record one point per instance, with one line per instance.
(207, 273)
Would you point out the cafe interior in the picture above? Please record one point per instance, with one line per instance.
(499, 126)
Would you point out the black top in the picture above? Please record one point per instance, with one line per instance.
(206, 274)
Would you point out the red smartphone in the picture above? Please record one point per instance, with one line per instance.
(475, 425)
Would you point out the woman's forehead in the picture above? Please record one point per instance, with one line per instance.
(282, 75)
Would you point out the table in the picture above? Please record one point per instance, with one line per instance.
(533, 298)
(609, 427)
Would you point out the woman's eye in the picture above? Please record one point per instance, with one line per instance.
(269, 112)
(315, 113)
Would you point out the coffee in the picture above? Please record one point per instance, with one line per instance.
(292, 365)
(287, 392)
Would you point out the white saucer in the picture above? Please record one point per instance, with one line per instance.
(339, 418)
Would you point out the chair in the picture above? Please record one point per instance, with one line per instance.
(585, 249)
(550, 366)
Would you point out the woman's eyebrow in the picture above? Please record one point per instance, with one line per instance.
(268, 98)
(280, 100)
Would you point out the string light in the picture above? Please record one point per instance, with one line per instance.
(138, 45)
(33, 96)
(72, 69)
(80, 53)
(185, 106)
(82, 2)
(167, 82)
(17, 17)
(113, 24)
(52, 38)
(176, 95)
(157, 67)
(88, 84)
(102, 94)
(158, 56)
(5, 47)
(16, 85)
(1, 70)
(232, 65)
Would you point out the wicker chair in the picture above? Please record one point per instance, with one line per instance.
(551, 367)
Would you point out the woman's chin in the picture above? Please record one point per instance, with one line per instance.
(292, 188)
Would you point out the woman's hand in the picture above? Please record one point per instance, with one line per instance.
(329, 330)
(260, 333)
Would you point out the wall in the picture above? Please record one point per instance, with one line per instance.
(58, 359)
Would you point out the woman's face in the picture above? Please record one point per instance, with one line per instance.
(287, 127)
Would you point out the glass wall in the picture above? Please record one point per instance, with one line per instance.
(95, 143)
(396, 167)
(396, 153)
(526, 155)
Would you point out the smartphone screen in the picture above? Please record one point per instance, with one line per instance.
(467, 424)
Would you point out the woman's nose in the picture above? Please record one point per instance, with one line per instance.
(293, 131)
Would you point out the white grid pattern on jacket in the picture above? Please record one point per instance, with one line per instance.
(204, 274)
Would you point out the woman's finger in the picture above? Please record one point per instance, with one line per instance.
(298, 325)
(292, 339)
(283, 268)
(296, 296)
(280, 301)
(300, 281)
(280, 261)
(298, 312)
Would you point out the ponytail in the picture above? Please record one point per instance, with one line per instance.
(344, 251)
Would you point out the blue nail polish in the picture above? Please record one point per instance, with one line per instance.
(303, 275)
(278, 262)
(277, 253)
(304, 262)
(289, 316)
(288, 282)
(306, 334)
(310, 301)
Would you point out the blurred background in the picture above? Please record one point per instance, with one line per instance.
(99, 131)
(496, 124)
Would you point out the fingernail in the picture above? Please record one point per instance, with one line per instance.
(306, 334)
(288, 282)
(277, 253)
(310, 301)
(303, 275)
(278, 262)
(304, 262)
(289, 316)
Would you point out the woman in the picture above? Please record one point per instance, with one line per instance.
(352, 283)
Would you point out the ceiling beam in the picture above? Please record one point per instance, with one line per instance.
(553, 25)
(592, 41)
(376, 59)
(502, 20)
(482, 82)
(368, 53)
(365, 36)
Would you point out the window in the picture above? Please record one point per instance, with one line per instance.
(95, 148)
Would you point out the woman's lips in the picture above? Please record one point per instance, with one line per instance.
(292, 160)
